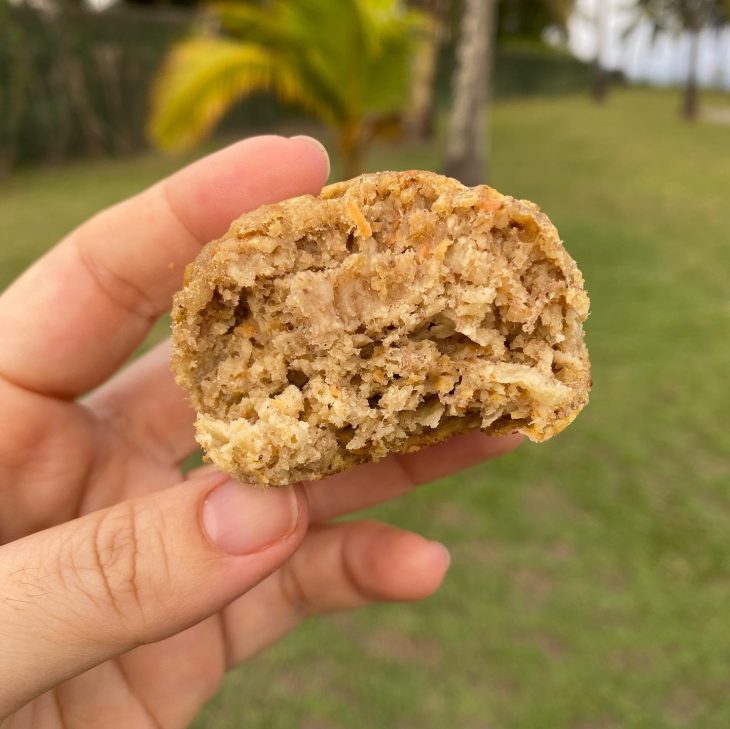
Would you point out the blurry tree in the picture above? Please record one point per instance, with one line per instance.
(344, 61)
(163, 3)
(691, 17)
(14, 74)
(524, 21)
(529, 18)
(421, 113)
(466, 148)
(69, 73)
(75, 82)
(600, 72)
(65, 78)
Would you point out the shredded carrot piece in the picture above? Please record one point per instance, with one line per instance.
(363, 227)
(489, 204)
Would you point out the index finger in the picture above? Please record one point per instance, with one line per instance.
(70, 321)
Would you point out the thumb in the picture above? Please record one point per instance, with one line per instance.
(90, 589)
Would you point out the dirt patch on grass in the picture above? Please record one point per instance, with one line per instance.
(293, 683)
(603, 722)
(682, 707)
(397, 647)
(550, 645)
(455, 515)
(533, 587)
(545, 502)
(319, 724)
(716, 115)
(487, 552)
(632, 661)
(561, 551)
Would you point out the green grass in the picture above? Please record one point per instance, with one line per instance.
(591, 575)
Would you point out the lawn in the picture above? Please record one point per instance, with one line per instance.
(590, 580)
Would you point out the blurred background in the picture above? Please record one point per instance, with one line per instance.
(590, 581)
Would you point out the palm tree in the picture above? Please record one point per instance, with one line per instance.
(528, 19)
(466, 149)
(600, 72)
(691, 17)
(421, 113)
(467, 143)
(15, 71)
(343, 61)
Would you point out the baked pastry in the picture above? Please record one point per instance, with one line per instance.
(389, 313)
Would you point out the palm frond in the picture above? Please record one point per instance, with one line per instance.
(388, 19)
(250, 22)
(341, 60)
(204, 77)
(198, 83)
(675, 16)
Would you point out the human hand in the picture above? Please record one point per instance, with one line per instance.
(127, 588)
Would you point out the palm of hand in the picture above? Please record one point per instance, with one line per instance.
(106, 626)
(164, 683)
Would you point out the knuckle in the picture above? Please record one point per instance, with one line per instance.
(293, 591)
(115, 285)
(113, 564)
(115, 547)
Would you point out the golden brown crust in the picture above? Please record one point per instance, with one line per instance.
(389, 313)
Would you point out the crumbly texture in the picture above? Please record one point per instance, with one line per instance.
(389, 313)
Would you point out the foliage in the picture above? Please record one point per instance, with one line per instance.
(76, 83)
(344, 61)
(14, 73)
(690, 16)
(684, 15)
(529, 18)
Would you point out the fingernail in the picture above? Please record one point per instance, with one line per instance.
(241, 519)
(442, 553)
(319, 146)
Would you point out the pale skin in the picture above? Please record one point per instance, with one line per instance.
(127, 588)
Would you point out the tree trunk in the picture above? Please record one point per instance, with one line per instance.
(600, 84)
(466, 149)
(691, 101)
(600, 73)
(54, 86)
(15, 98)
(70, 72)
(109, 63)
(350, 144)
(352, 163)
(78, 93)
(422, 108)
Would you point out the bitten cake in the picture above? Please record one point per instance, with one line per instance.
(388, 313)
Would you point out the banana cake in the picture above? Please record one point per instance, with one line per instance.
(388, 313)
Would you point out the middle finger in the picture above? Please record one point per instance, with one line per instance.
(337, 567)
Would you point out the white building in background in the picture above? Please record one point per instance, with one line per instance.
(662, 61)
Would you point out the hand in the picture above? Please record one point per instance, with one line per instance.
(127, 589)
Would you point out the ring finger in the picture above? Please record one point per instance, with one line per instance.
(337, 567)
